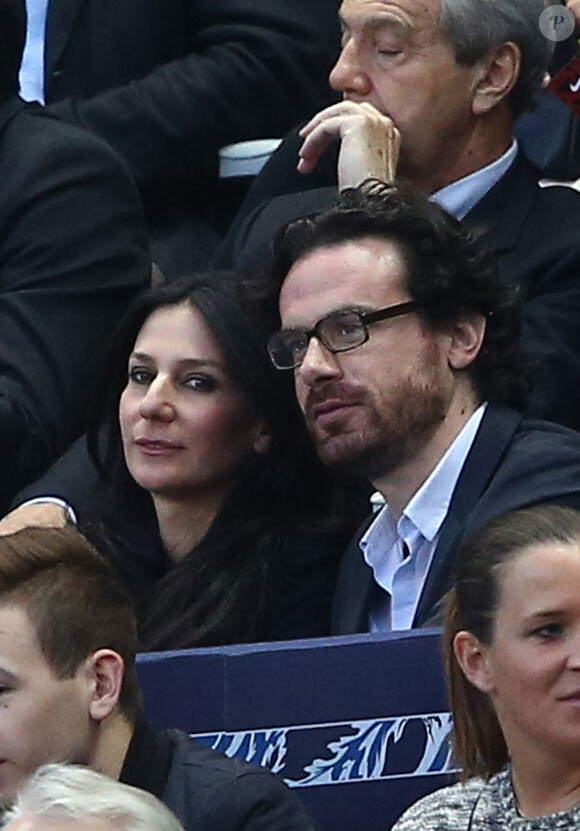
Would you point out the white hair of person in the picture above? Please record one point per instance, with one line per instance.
(73, 792)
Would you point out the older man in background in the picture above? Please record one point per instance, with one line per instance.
(431, 91)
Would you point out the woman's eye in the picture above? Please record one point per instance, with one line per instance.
(548, 631)
(140, 375)
(200, 383)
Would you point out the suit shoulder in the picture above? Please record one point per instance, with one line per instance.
(556, 209)
(193, 754)
(546, 438)
(36, 136)
(229, 793)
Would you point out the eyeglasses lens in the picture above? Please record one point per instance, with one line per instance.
(287, 348)
(342, 331)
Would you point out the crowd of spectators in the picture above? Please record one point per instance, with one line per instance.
(394, 305)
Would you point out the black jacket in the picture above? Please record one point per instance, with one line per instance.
(169, 82)
(73, 253)
(301, 571)
(207, 790)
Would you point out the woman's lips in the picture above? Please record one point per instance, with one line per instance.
(157, 447)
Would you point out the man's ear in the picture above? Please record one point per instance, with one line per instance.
(466, 333)
(473, 658)
(498, 72)
(104, 671)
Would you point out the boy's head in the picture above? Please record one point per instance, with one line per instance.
(67, 652)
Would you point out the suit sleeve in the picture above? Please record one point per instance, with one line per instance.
(253, 69)
(258, 802)
(278, 178)
(551, 307)
(73, 478)
(73, 252)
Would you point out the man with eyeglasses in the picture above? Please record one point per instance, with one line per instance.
(432, 92)
(403, 341)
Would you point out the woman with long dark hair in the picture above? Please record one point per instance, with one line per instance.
(210, 499)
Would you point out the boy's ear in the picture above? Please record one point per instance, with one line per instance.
(104, 671)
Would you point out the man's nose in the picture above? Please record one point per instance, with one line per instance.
(347, 75)
(158, 401)
(318, 364)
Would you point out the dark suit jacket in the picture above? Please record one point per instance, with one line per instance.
(513, 463)
(169, 82)
(73, 252)
(534, 232)
(206, 789)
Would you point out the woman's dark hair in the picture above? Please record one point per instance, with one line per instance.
(218, 593)
(480, 746)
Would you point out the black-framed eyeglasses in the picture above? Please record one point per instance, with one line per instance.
(338, 332)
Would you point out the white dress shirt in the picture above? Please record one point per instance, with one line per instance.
(402, 578)
(32, 66)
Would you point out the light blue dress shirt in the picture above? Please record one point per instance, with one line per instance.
(32, 66)
(461, 196)
(402, 578)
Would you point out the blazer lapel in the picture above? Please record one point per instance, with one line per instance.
(493, 437)
(499, 216)
(59, 24)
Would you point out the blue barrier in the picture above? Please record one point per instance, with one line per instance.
(358, 723)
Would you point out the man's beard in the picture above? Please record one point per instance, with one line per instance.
(380, 442)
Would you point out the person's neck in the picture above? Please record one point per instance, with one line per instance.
(486, 143)
(546, 786)
(114, 735)
(183, 522)
(400, 484)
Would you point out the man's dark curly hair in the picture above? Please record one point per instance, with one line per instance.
(448, 270)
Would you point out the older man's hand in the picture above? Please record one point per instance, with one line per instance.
(369, 142)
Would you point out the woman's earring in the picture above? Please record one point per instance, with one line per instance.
(262, 444)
